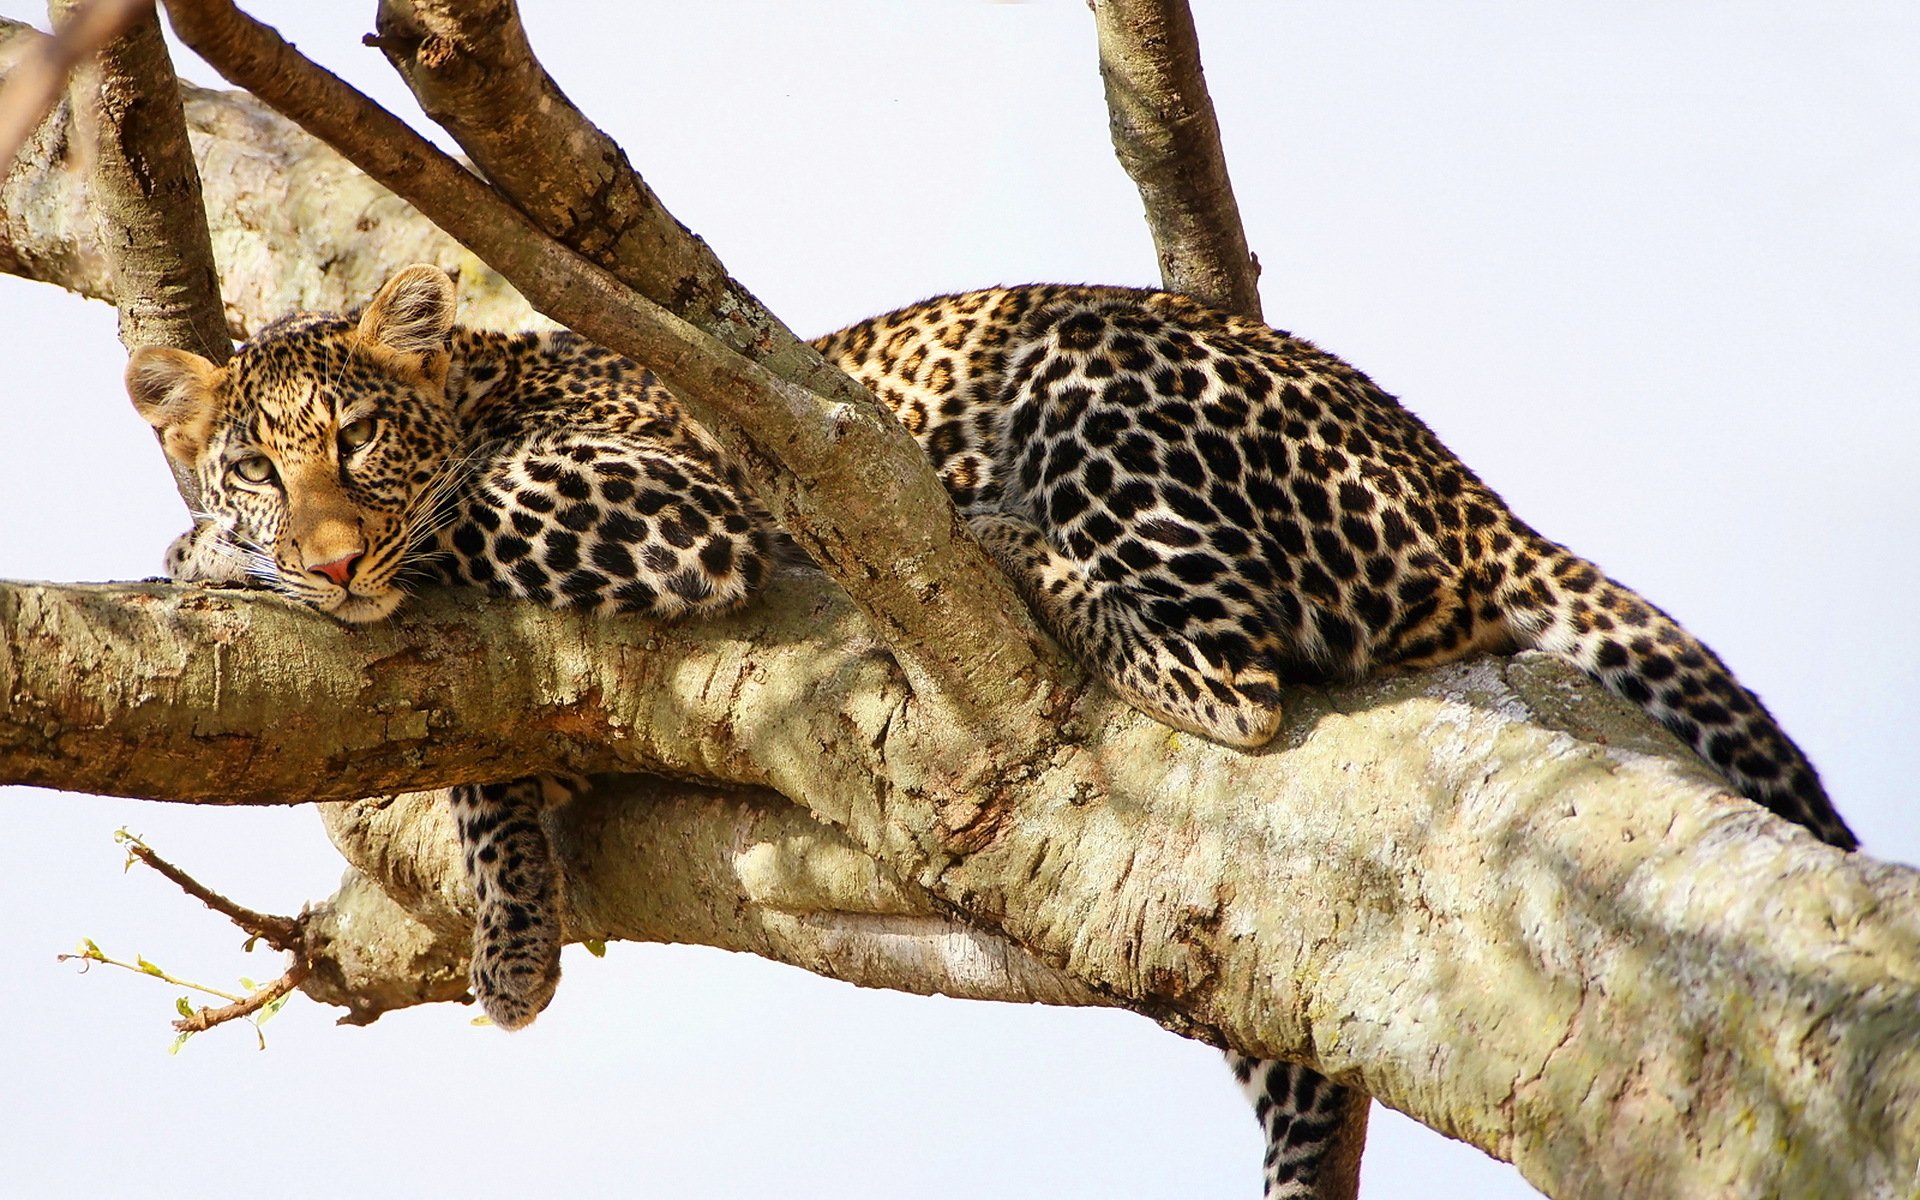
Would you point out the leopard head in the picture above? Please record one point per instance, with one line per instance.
(323, 448)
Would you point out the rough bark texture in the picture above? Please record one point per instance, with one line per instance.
(41, 65)
(1490, 895)
(1168, 139)
(652, 860)
(145, 195)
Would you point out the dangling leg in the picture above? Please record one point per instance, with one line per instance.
(1301, 1111)
(516, 882)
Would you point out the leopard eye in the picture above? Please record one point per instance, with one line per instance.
(355, 434)
(255, 469)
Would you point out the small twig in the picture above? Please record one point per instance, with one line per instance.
(282, 933)
(207, 1018)
(36, 83)
(91, 953)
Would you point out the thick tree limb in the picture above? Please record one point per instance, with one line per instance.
(740, 869)
(844, 479)
(1464, 892)
(1168, 139)
(145, 192)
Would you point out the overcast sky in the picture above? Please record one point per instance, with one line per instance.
(1648, 268)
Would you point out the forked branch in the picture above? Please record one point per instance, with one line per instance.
(844, 479)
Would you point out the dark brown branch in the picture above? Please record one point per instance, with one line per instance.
(146, 196)
(474, 73)
(845, 480)
(1167, 138)
(275, 195)
(282, 933)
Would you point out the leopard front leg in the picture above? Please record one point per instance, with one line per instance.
(518, 890)
(1190, 668)
(207, 553)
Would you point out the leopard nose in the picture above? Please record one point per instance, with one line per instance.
(340, 569)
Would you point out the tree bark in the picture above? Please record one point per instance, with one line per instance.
(145, 195)
(1490, 895)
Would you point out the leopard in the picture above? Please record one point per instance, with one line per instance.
(1202, 509)
(345, 461)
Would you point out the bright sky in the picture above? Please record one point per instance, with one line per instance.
(1649, 269)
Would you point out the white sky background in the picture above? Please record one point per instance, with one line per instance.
(1649, 269)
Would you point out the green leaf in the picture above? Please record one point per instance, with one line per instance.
(88, 949)
(178, 1042)
(140, 961)
(271, 1008)
(595, 947)
(249, 984)
(183, 1007)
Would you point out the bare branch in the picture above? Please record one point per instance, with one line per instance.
(845, 480)
(471, 68)
(206, 1018)
(282, 933)
(145, 195)
(35, 83)
(653, 860)
(1167, 138)
(277, 196)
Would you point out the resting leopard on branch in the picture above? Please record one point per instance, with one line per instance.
(1203, 509)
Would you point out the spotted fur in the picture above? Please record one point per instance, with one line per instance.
(345, 461)
(1204, 509)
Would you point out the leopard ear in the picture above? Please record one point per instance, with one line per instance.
(177, 392)
(412, 316)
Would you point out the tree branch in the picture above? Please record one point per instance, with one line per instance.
(843, 479)
(740, 869)
(145, 195)
(277, 196)
(1463, 892)
(43, 64)
(145, 192)
(1167, 138)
